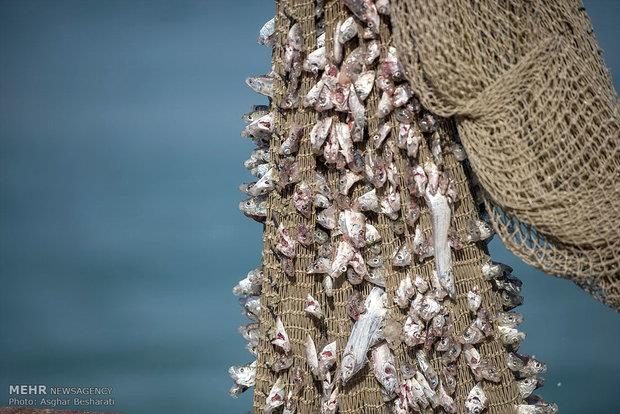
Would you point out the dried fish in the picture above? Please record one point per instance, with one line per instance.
(372, 234)
(266, 183)
(327, 358)
(402, 94)
(347, 179)
(355, 305)
(385, 105)
(384, 368)
(276, 396)
(313, 307)
(474, 299)
(373, 50)
(243, 375)
(251, 306)
(328, 285)
(363, 333)
(458, 151)
(262, 84)
(261, 129)
(403, 256)
(476, 401)
(311, 357)
(414, 332)
(286, 243)
(383, 6)
(481, 369)
(250, 285)
(320, 265)
(256, 112)
(327, 218)
(315, 61)
(344, 254)
(444, 400)
(440, 214)
(364, 83)
(281, 337)
(320, 237)
(348, 30)
(478, 230)
(538, 408)
(533, 367)
(471, 335)
(302, 199)
(528, 385)
(425, 366)
(290, 145)
(330, 405)
(428, 123)
(510, 319)
(366, 11)
(510, 336)
(266, 36)
(390, 204)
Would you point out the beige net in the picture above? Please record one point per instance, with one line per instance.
(286, 298)
(539, 117)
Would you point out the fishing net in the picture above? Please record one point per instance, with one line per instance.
(538, 115)
(286, 298)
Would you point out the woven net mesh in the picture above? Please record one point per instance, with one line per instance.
(286, 298)
(538, 115)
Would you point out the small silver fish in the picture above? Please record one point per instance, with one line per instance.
(281, 361)
(290, 145)
(492, 270)
(246, 187)
(368, 201)
(538, 408)
(286, 243)
(481, 369)
(528, 385)
(427, 369)
(294, 47)
(320, 237)
(403, 256)
(327, 358)
(313, 307)
(281, 339)
(324, 101)
(429, 393)
(414, 332)
(363, 333)
(366, 11)
(276, 396)
(384, 368)
(471, 335)
(376, 276)
(478, 230)
(258, 156)
(250, 285)
(346, 181)
(390, 204)
(357, 116)
(510, 319)
(419, 180)
(318, 266)
(348, 30)
(353, 227)
(266, 183)
(331, 149)
(302, 199)
(337, 49)
(474, 299)
(267, 34)
(244, 375)
(444, 400)
(343, 136)
(327, 218)
(412, 142)
(251, 306)
(428, 123)
(344, 254)
(254, 208)
(515, 362)
(352, 66)
(262, 84)
(402, 94)
(372, 234)
(373, 50)
(304, 235)
(432, 173)
(364, 83)
(476, 401)
(458, 151)
(404, 292)
(256, 112)
(249, 332)
(392, 66)
(509, 283)
(510, 300)
(312, 97)
(533, 367)
(330, 405)
(381, 135)
(353, 277)
(385, 105)
(319, 133)
(261, 129)
(315, 61)
(320, 201)
(510, 336)
(375, 261)
(312, 357)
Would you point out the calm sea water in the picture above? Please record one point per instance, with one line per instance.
(119, 232)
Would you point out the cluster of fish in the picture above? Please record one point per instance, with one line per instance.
(348, 246)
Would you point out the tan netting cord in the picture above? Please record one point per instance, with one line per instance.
(538, 115)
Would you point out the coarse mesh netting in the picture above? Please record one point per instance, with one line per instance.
(286, 297)
(537, 112)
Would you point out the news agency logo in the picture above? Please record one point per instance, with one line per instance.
(27, 390)
(45, 395)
